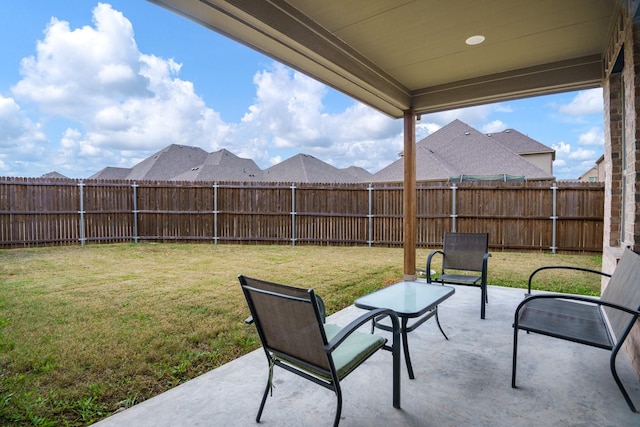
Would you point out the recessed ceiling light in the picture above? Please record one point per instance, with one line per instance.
(473, 40)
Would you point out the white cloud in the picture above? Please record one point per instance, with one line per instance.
(22, 141)
(582, 154)
(572, 163)
(494, 126)
(288, 104)
(593, 137)
(120, 98)
(73, 69)
(503, 108)
(572, 160)
(472, 115)
(16, 128)
(562, 148)
(585, 102)
(288, 117)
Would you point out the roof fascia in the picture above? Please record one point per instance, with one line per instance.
(575, 74)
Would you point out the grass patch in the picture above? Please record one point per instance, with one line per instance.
(86, 332)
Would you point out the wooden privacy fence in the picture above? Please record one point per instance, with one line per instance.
(545, 216)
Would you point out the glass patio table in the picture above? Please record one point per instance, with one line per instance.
(410, 300)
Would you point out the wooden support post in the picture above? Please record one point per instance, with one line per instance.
(409, 196)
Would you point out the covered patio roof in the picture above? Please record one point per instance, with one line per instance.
(399, 55)
(410, 57)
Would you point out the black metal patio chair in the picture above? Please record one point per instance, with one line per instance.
(462, 253)
(290, 323)
(603, 322)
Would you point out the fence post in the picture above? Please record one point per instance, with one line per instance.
(215, 213)
(454, 214)
(370, 215)
(135, 211)
(81, 212)
(554, 218)
(293, 214)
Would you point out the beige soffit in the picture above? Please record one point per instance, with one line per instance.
(397, 55)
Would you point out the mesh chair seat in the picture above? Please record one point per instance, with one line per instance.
(458, 278)
(582, 323)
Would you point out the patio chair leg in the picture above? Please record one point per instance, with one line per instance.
(515, 354)
(336, 421)
(614, 372)
(440, 327)
(395, 351)
(483, 299)
(264, 400)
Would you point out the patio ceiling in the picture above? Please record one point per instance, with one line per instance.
(402, 55)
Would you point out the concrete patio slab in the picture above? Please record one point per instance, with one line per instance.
(465, 381)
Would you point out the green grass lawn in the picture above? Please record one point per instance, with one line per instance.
(87, 331)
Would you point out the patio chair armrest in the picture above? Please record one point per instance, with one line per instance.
(579, 298)
(355, 324)
(562, 267)
(428, 266)
(485, 262)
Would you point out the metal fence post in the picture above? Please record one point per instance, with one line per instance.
(454, 214)
(81, 212)
(215, 213)
(370, 215)
(554, 218)
(134, 186)
(293, 214)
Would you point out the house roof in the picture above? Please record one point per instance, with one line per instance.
(168, 163)
(223, 165)
(459, 149)
(521, 143)
(359, 173)
(54, 174)
(187, 163)
(306, 168)
(111, 173)
(399, 55)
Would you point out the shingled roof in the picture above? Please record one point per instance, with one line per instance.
(521, 143)
(111, 172)
(168, 163)
(223, 165)
(54, 175)
(360, 174)
(306, 168)
(458, 149)
(187, 163)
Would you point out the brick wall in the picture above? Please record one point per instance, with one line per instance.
(622, 163)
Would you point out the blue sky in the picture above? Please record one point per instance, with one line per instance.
(85, 85)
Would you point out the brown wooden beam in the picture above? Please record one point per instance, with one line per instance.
(409, 196)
